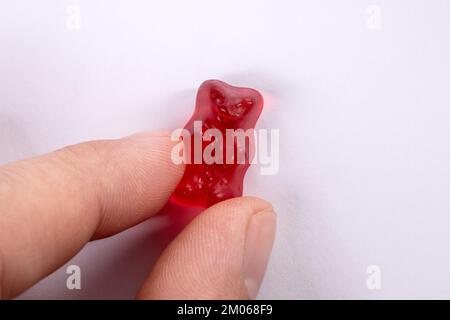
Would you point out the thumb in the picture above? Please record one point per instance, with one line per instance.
(221, 254)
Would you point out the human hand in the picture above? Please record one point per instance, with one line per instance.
(52, 205)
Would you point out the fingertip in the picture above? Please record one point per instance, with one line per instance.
(221, 254)
(242, 205)
(139, 179)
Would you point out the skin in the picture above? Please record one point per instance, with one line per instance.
(52, 205)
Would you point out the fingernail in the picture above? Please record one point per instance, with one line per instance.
(258, 245)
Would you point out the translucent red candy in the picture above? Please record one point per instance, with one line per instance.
(218, 106)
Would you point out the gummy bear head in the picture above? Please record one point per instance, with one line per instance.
(228, 106)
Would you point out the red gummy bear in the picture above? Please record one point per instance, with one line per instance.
(218, 106)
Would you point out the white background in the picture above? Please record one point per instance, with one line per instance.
(363, 113)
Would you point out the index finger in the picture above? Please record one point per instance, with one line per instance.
(51, 205)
